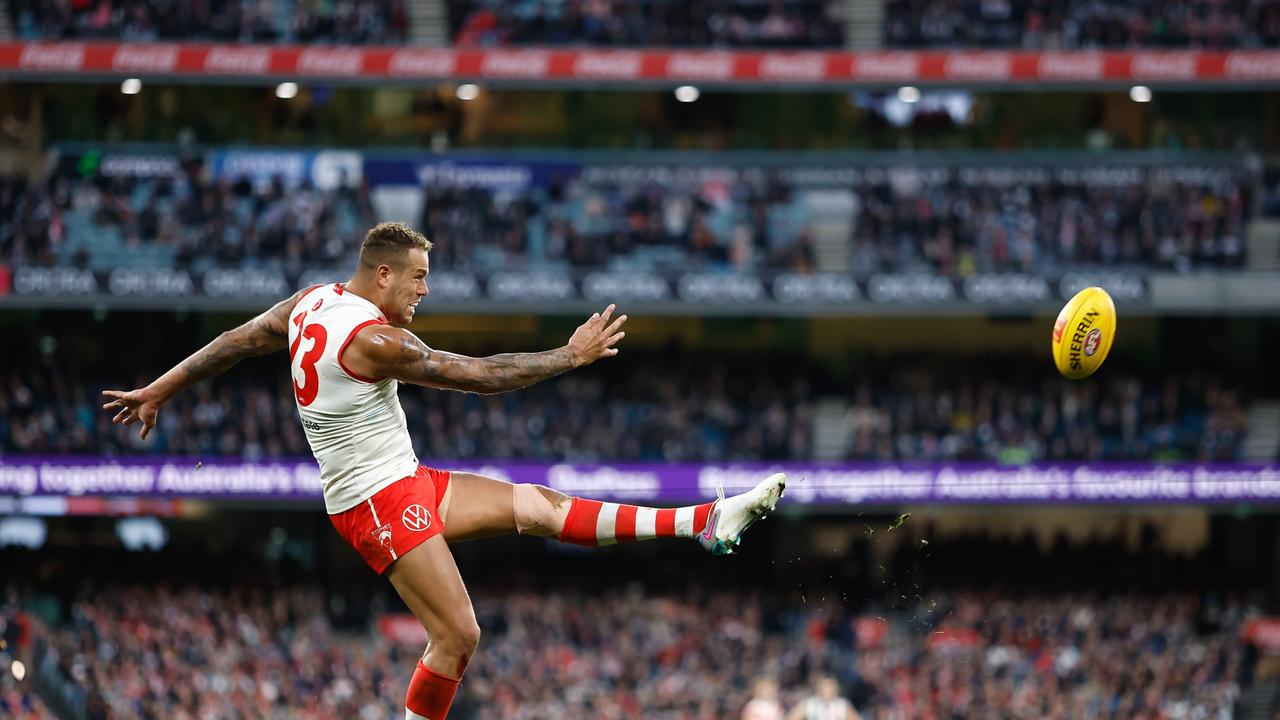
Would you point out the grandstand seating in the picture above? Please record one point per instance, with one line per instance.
(749, 223)
(634, 655)
(662, 408)
(1083, 24)
(953, 648)
(285, 21)
(18, 701)
(184, 220)
(1049, 24)
(661, 23)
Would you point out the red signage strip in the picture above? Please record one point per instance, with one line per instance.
(254, 62)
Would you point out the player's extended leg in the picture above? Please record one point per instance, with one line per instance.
(476, 506)
(428, 581)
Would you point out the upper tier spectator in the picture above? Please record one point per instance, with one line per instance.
(348, 22)
(1083, 24)
(697, 23)
(747, 221)
(959, 227)
(187, 219)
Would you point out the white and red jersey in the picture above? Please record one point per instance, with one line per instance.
(815, 708)
(355, 425)
(762, 709)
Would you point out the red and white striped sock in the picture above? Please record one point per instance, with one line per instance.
(594, 523)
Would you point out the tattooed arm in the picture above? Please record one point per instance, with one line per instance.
(381, 351)
(264, 334)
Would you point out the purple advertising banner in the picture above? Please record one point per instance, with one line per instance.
(816, 483)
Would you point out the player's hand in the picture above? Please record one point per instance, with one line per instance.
(133, 406)
(595, 338)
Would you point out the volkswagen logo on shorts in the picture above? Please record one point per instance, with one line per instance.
(416, 518)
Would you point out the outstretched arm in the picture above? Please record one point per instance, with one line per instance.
(264, 334)
(381, 351)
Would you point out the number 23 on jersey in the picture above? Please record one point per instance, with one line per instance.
(306, 390)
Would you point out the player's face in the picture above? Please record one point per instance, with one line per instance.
(408, 288)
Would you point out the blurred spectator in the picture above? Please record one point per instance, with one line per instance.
(963, 227)
(18, 700)
(690, 414)
(232, 622)
(824, 704)
(682, 409)
(742, 225)
(191, 654)
(746, 221)
(700, 23)
(1271, 191)
(764, 703)
(188, 220)
(359, 22)
(1083, 24)
(626, 654)
(998, 412)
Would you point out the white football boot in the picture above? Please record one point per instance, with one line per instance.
(730, 517)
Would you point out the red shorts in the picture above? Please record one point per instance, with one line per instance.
(397, 519)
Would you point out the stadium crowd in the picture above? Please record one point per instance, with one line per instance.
(661, 408)
(691, 651)
(699, 23)
(740, 222)
(957, 228)
(18, 701)
(992, 658)
(1083, 24)
(961, 227)
(1271, 191)
(186, 220)
(347, 22)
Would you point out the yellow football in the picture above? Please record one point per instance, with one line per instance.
(1083, 333)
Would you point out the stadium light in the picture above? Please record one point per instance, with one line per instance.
(909, 94)
(25, 532)
(142, 533)
(468, 91)
(287, 90)
(131, 86)
(687, 93)
(1140, 93)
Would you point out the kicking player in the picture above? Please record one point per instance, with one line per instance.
(348, 352)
